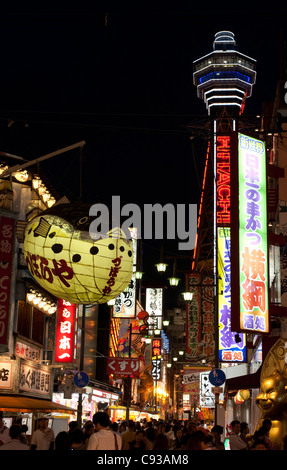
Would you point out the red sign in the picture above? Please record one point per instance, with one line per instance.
(7, 226)
(123, 366)
(156, 347)
(64, 349)
(223, 180)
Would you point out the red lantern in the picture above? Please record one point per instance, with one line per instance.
(238, 398)
(142, 315)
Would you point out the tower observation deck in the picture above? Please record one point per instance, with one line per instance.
(224, 77)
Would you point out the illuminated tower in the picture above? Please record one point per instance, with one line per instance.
(224, 77)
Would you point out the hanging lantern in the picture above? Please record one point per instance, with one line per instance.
(21, 175)
(71, 265)
(238, 398)
(244, 394)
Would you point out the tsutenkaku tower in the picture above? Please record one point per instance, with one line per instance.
(224, 78)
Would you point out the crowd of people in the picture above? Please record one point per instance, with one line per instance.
(154, 435)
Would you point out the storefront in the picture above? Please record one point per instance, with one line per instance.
(26, 393)
(118, 413)
(93, 399)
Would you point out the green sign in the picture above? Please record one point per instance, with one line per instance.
(253, 246)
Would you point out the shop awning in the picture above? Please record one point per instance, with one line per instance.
(24, 404)
(234, 384)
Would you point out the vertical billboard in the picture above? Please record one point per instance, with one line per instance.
(125, 302)
(7, 229)
(249, 248)
(154, 308)
(200, 317)
(231, 346)
(64, 345)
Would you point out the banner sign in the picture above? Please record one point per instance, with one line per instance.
(250, 247)
(7, 229)
(156, 369)
(125, 302)
(223, 180)
(6, 374)
(34, 379)
(154, 308)
(191, 381)
(64, 349)
(156, 347)
(200, 333)
(123, 366)
(232, 347)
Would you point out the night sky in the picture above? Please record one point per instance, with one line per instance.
(119, 76)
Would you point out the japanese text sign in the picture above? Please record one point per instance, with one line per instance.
(156, 347)
(200, 332)
(223, 180)
(7, 228)
(251, 247)
(34, 379)
(156, 369)
(123, 366)
(64, 348)
(230, 350)
(5, 374)
(154, 307)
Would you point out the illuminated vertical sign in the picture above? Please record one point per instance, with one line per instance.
(154, 308)
(7, 228)
(223, 180)
(156, 347)
(64, 349)
(232, 346)
(250, 248)
(156, 358)
(125, 302)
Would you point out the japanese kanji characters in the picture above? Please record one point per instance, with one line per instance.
(65, 332)
(253, 245)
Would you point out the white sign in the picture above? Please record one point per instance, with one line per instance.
(26, 351)
(34, 379)
(154, 307)
(5, 374)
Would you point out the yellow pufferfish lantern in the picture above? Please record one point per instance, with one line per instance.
(68, 263)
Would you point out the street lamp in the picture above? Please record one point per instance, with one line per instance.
(173, 281)
(187, 296)
(161, 267)
(138, 275)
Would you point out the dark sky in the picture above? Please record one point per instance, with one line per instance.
(124, 86)
(122, 83)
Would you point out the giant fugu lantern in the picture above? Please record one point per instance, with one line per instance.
(68, 263)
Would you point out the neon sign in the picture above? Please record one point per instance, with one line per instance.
(252, 244)
(232, 348)
(64, 349)
(223, 180)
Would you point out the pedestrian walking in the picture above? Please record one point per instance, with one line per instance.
(129, 435)
(4, 431)
(104, 438)
(43, 438)
(15, 440)
(236, 443)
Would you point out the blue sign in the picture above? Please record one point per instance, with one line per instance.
(81, 379)
(217, 377)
